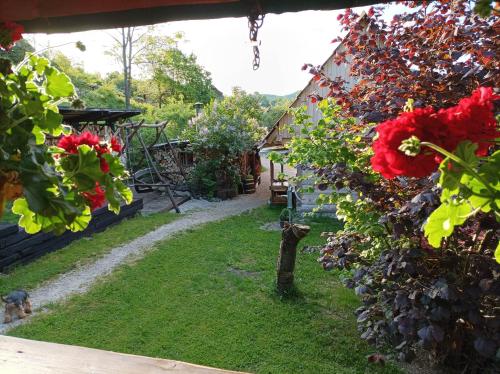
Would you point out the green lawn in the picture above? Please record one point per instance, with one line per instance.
(207, 296)
(80, 252)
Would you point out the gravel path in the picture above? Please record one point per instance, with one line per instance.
(81, 279)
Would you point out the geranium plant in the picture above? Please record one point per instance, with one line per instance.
(54, 188)
(430, 180)
(456, 140)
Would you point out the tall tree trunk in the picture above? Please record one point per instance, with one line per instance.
(290, 237)
(126, 83)
(130, 35)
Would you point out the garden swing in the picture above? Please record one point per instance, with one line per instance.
(152, 177)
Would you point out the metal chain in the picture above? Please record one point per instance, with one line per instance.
(255, 21)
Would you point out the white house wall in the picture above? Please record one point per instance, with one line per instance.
(331, 70)
(306, 201)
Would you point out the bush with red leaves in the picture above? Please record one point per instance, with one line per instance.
(443, 301)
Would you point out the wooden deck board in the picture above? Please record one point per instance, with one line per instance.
(34, 357)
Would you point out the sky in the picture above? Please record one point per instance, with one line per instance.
(287, 42)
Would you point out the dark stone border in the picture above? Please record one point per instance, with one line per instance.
(18, 247)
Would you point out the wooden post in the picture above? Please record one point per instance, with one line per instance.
(271, 170)
(290, 237)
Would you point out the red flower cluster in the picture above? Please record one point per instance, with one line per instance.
(96, 198)
(472, 119)
(10, 32)
(115, 145)
(70, 144)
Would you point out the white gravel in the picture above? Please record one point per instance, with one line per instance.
(197, 212)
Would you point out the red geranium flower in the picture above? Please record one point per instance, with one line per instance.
(104, 165)
(88, 138)
(96, 198)
(10, 32)
(472, 119)
(115, 145)
(70, 143)
(390, 161)
(101, 149)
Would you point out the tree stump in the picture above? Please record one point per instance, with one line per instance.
(290, 237)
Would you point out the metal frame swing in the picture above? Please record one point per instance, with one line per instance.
(150, 178)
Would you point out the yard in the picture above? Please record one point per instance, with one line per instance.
(207, 296)
(396, 135)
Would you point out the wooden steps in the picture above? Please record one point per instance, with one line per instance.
(248, 184)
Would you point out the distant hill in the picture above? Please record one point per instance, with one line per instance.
(272, 98)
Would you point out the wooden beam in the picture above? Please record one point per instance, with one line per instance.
(46, 16)
(34, 357)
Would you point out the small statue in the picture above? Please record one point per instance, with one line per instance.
(17, 301)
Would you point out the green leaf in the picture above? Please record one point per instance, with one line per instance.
(51, 122)
(27, 220)
(442, 221)
(483, 8)
(88, 163)
(39, 135)
(489, 169)
(451, 172)
(115, 166)
(82, 221)
(113, 199)
(58, 84)
(124, 191)
(39, 63)
(466, 150)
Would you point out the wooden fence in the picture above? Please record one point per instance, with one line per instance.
(18, 247)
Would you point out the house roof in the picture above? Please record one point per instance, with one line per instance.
(51, 16)
(272, 131)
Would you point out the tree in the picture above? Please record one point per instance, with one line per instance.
(274, 111)
(127, 48)
(219, 137)
(93, 90)
(433, 54)
(175, 111)
(173, 73)
(83, 81)
(243, 104)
